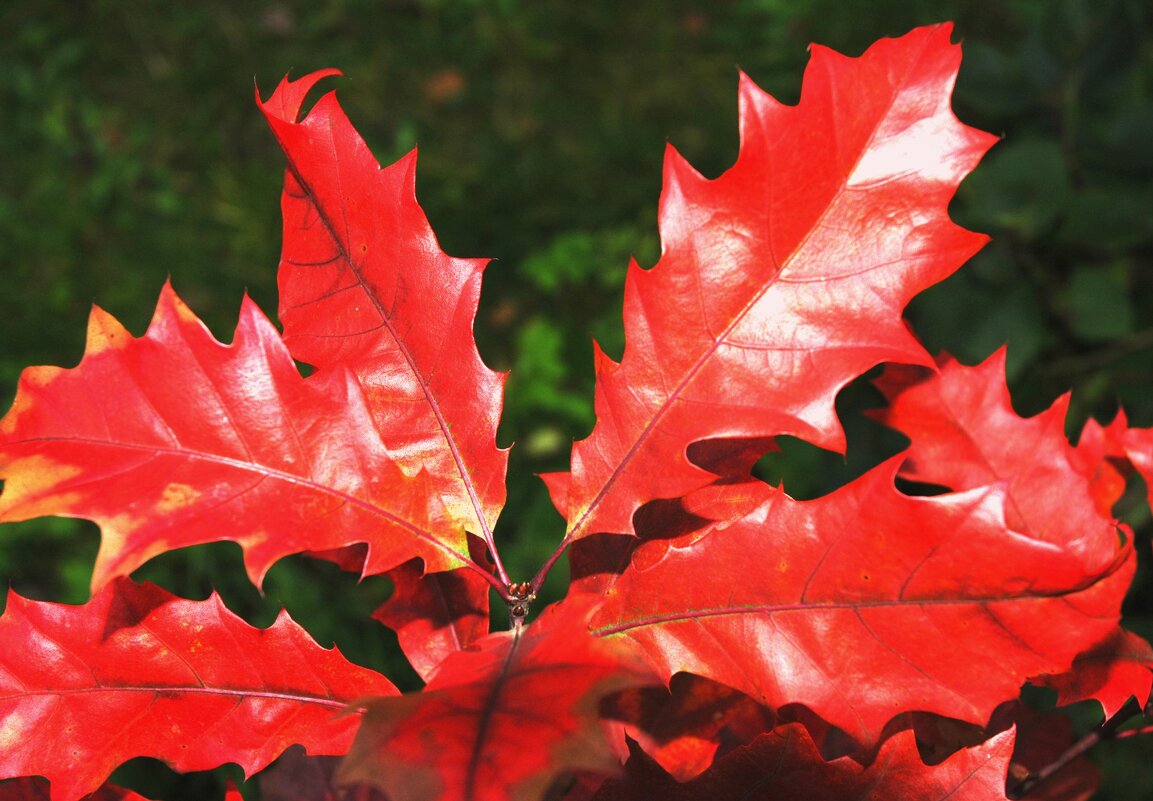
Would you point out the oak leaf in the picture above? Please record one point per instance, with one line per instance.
(783, 279)
(139, 672)
(173, 439)
(780, 763)
(868, 603)
(500, 720)
(364, 286)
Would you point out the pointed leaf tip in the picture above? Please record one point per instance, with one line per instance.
(288, 97)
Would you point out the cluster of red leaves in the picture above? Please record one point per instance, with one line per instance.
(867, 644)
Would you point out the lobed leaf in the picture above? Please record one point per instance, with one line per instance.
(964, 434)
(173, 439)
(783, 279)
(501, 720)
(434, 615)
(780, 763)
(364, 286)
(1111, 672)
(867, 603)
(139, 672)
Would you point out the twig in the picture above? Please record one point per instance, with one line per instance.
(1106, 731)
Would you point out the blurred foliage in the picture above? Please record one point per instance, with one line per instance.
(131, 152)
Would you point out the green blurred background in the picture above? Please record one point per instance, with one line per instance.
(131, 151)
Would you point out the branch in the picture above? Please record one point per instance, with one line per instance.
(1106, 731)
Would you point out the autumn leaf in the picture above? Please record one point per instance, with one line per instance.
(1132, 446)
(779, 764)
(139, 672)
(500, 720)
(297, 776)
(364, 286)
(719, 637)
(34, 788)
(964, 433)
(434, 615)
(867, 603)
(173, 439)
(784, 278)
(1111, 672)
(685, 727)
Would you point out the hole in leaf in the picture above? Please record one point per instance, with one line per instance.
(920, 488)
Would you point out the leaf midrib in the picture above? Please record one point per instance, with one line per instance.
(264, 471)
(326, 701)
(771, 609)
(386, 320)
(739, 317)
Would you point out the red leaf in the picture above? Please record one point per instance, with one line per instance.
(1111, 672)
(783, 279)
(785, 763)
(173, 439)
(1137, 446)
(299, 777)
(365, 286)
(965, 434)
(867, 603)
(683, 732)
(501, 720)
(435, 614)
(139, 672)
(34, 788)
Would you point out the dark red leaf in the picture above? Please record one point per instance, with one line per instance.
(785, 764)
(783, 279)
(139, 672)
(500, 720)
(1042, 738)
(685, 727)
(435, 615)
(34, 788)
(299, 777)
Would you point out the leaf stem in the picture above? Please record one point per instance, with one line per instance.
(1106, 731)
(542, 574)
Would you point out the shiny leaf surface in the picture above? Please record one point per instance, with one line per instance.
(783, 279)
(364, 286)
(867, 603)
(173, 439)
